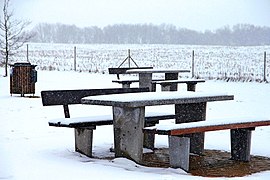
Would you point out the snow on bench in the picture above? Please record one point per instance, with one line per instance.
(210, 125)
(150, 117)
(84, 126)
(127, 83)
(179, 142)
(167, 85)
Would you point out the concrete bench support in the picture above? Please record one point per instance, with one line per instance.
(128, 134)
(179, 148)
(240, 144)
(149, 139)
(191, 113)
(191, 87)
(126, 85)
(84, 140)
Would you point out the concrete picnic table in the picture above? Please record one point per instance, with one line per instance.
(145, 75)
(129, 112)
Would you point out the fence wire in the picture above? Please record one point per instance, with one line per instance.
(234, 63)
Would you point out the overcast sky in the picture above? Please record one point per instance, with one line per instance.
(193, 14)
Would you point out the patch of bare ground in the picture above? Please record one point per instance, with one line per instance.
(213, 163)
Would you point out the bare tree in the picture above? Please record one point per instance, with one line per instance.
(12, 34)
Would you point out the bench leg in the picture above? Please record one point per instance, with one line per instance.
(191, 86)
(169, 87)
(128, 132)
(240, 144)
(165, 87)
(149, 138)
(179, 148)
(126, 85)
(191, 113)
(154, 87)
(84, 140)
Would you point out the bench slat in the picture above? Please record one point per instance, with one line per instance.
(104, 120)
(130, 81)
(66, 97)
(204, 126)
(190, 81)
(123, 69)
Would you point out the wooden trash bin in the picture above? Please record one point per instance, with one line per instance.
(23, 77)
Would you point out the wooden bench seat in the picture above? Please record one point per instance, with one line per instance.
(170, 85)
(179, 141)
(84, 126)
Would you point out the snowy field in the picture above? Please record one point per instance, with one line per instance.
(234, 63)
(30, 149)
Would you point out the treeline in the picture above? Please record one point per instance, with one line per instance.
(240, 34)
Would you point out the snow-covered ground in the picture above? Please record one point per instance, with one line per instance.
(30, 149)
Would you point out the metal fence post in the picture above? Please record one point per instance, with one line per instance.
(192, 67)
(74, 58)
(27, 53)
(264, 68)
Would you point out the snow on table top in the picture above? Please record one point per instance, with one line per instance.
(180, 80)
(130, 71)
(221, 121)
(155, 98)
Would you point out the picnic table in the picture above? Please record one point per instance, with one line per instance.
(129, 113)
(145, 75)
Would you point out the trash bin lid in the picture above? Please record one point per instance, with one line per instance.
(22, 64)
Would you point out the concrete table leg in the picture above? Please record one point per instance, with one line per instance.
(190, 113)
(128, 134)
(172, 76)
(240, 144)
(145, 80)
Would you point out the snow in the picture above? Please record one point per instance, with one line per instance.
(130, 71)
(210, 122)
(30, 149)
(153, 96)
(107, 117)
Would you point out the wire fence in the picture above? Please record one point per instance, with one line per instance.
(232, 63)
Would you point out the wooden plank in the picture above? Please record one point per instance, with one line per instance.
(133, 81)
(217, 127)
(64, 97)
(124, 81)
(135, 71)
(180, 81)
(123, 70)
(209, 127)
